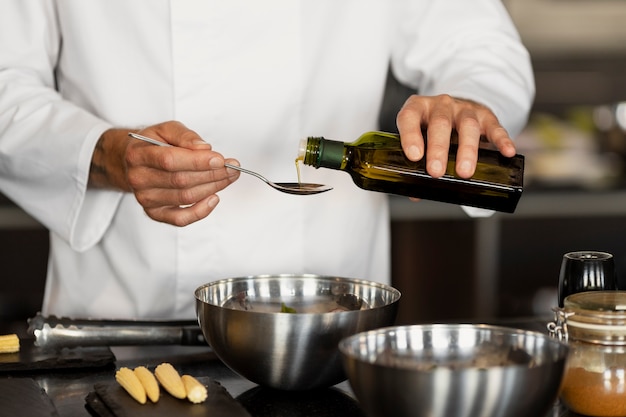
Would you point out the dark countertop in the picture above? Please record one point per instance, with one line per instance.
(68, 388)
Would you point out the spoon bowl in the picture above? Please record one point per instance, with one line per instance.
(296, 188)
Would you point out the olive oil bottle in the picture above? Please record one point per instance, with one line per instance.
(377, 162)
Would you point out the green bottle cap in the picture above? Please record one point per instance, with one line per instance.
(330, 154)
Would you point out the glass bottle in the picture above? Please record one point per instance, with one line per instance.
(377, 162)
(594, 325)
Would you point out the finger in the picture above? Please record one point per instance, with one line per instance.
(154, 197)
(492, 130)
(409, 122)
(144, 178)
(469, 132)
(177, 134)
(499, 136)
(191, 140)
(171, 159)
(440, 124)
(184, 216)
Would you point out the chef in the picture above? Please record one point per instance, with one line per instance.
(135, 228)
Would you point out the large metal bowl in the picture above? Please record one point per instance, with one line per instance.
(242, 321)
(454, 370)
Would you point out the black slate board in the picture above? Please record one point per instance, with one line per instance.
(24, 397)
(268, 402)
(33, 358)
(110, 400)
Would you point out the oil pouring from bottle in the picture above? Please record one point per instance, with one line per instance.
(376, 162)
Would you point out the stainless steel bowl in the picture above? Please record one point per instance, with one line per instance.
(454, 370)
(242, 321)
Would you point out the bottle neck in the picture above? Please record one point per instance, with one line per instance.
(323, 153)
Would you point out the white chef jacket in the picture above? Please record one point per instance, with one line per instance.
(252, 78)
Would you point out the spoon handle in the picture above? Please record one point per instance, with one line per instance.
(247, 171)
(147, 139)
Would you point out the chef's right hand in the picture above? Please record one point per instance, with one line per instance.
(175, 185)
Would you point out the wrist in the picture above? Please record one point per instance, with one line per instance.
(108, 169)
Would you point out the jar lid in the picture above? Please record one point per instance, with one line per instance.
(599, 303)
(596, 316)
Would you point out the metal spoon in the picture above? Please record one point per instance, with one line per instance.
(297, 188)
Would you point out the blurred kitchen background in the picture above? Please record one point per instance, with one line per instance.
(450, 267)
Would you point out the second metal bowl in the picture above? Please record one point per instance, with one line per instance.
(454, 370)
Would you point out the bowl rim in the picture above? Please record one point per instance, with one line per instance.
(395, 293)
(347, 342)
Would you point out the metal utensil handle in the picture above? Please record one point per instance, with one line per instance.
(247, 171)
(147, 139)
(65, 332)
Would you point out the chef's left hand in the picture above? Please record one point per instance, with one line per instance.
(440, 114)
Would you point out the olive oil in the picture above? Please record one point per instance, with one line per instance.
(377, 162)
(298, 171)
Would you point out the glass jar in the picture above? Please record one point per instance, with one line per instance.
(594, 326)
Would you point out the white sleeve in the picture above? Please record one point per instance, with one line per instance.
(467, 49)
(46, 142)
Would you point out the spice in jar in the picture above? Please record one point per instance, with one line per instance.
(594, 393)
(594, 324)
